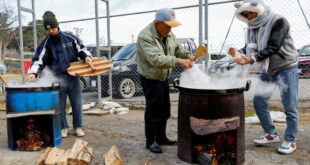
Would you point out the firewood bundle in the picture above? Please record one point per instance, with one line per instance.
(79, 154)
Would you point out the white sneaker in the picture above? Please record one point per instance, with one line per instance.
(266, 139)
(64, 132)
(79, 132)
(287, 147)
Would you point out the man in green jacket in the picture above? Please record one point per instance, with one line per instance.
(158, 52)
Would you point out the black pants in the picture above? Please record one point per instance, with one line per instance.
(157, 108)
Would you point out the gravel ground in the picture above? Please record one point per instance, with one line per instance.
(127, 133)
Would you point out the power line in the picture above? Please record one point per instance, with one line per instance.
(303, 13)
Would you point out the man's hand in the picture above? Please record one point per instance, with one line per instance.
(236, 55)
(233, 51)
(186, 63)
(192, 57)
(239, 58)
(88, 59)
(30, 77)
(242, 59)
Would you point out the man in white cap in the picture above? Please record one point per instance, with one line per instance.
(158, 52)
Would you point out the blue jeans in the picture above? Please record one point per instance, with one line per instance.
(287, 81)
(70, 86)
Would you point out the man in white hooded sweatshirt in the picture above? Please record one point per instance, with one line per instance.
(269, 44)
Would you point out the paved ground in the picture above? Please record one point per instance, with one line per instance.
(126, 132)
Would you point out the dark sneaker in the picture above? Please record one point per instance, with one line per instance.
(154, 148)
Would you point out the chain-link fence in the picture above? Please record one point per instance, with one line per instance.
(127, 19)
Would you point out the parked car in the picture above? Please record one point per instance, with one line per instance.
(103, 50)
(304, 61)
(222, 67)
(214, 57)
(125, 78)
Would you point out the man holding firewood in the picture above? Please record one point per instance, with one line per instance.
(57, 51)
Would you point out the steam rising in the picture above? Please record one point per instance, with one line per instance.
(46, 79)
(194, 78)
(235, 78)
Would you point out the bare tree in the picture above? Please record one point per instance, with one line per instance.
(7, 18)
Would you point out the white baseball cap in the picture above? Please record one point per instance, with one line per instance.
(167, 15)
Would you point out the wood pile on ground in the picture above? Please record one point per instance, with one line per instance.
(80, 154)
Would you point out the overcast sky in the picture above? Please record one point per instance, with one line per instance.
(125, 29)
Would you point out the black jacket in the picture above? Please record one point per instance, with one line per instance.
(57, 53)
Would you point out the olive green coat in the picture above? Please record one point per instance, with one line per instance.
(155, 58)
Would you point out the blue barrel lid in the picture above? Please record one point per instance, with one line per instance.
(25, 88)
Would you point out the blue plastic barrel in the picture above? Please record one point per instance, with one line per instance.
(32, 99)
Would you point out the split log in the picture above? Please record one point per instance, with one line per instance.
(56, 156)
(204, 127)
(43, 156)
(63, 160)
(80, 153)
(112, 157)
(87, 156)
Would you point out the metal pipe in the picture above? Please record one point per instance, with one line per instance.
(21, 42)
(200, 24)
(149, 11)
(200, 21)
(206, 32)
(134, 13)
(34, 25)
(109, 46)
(98, 51)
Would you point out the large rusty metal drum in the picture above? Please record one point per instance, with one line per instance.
(208, 104)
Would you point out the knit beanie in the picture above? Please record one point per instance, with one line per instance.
(49, 20)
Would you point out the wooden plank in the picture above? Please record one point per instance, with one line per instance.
(99, 66)
(85, 65)
(88, 69)
(93, 73)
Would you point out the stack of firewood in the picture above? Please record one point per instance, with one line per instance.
(78, 154)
